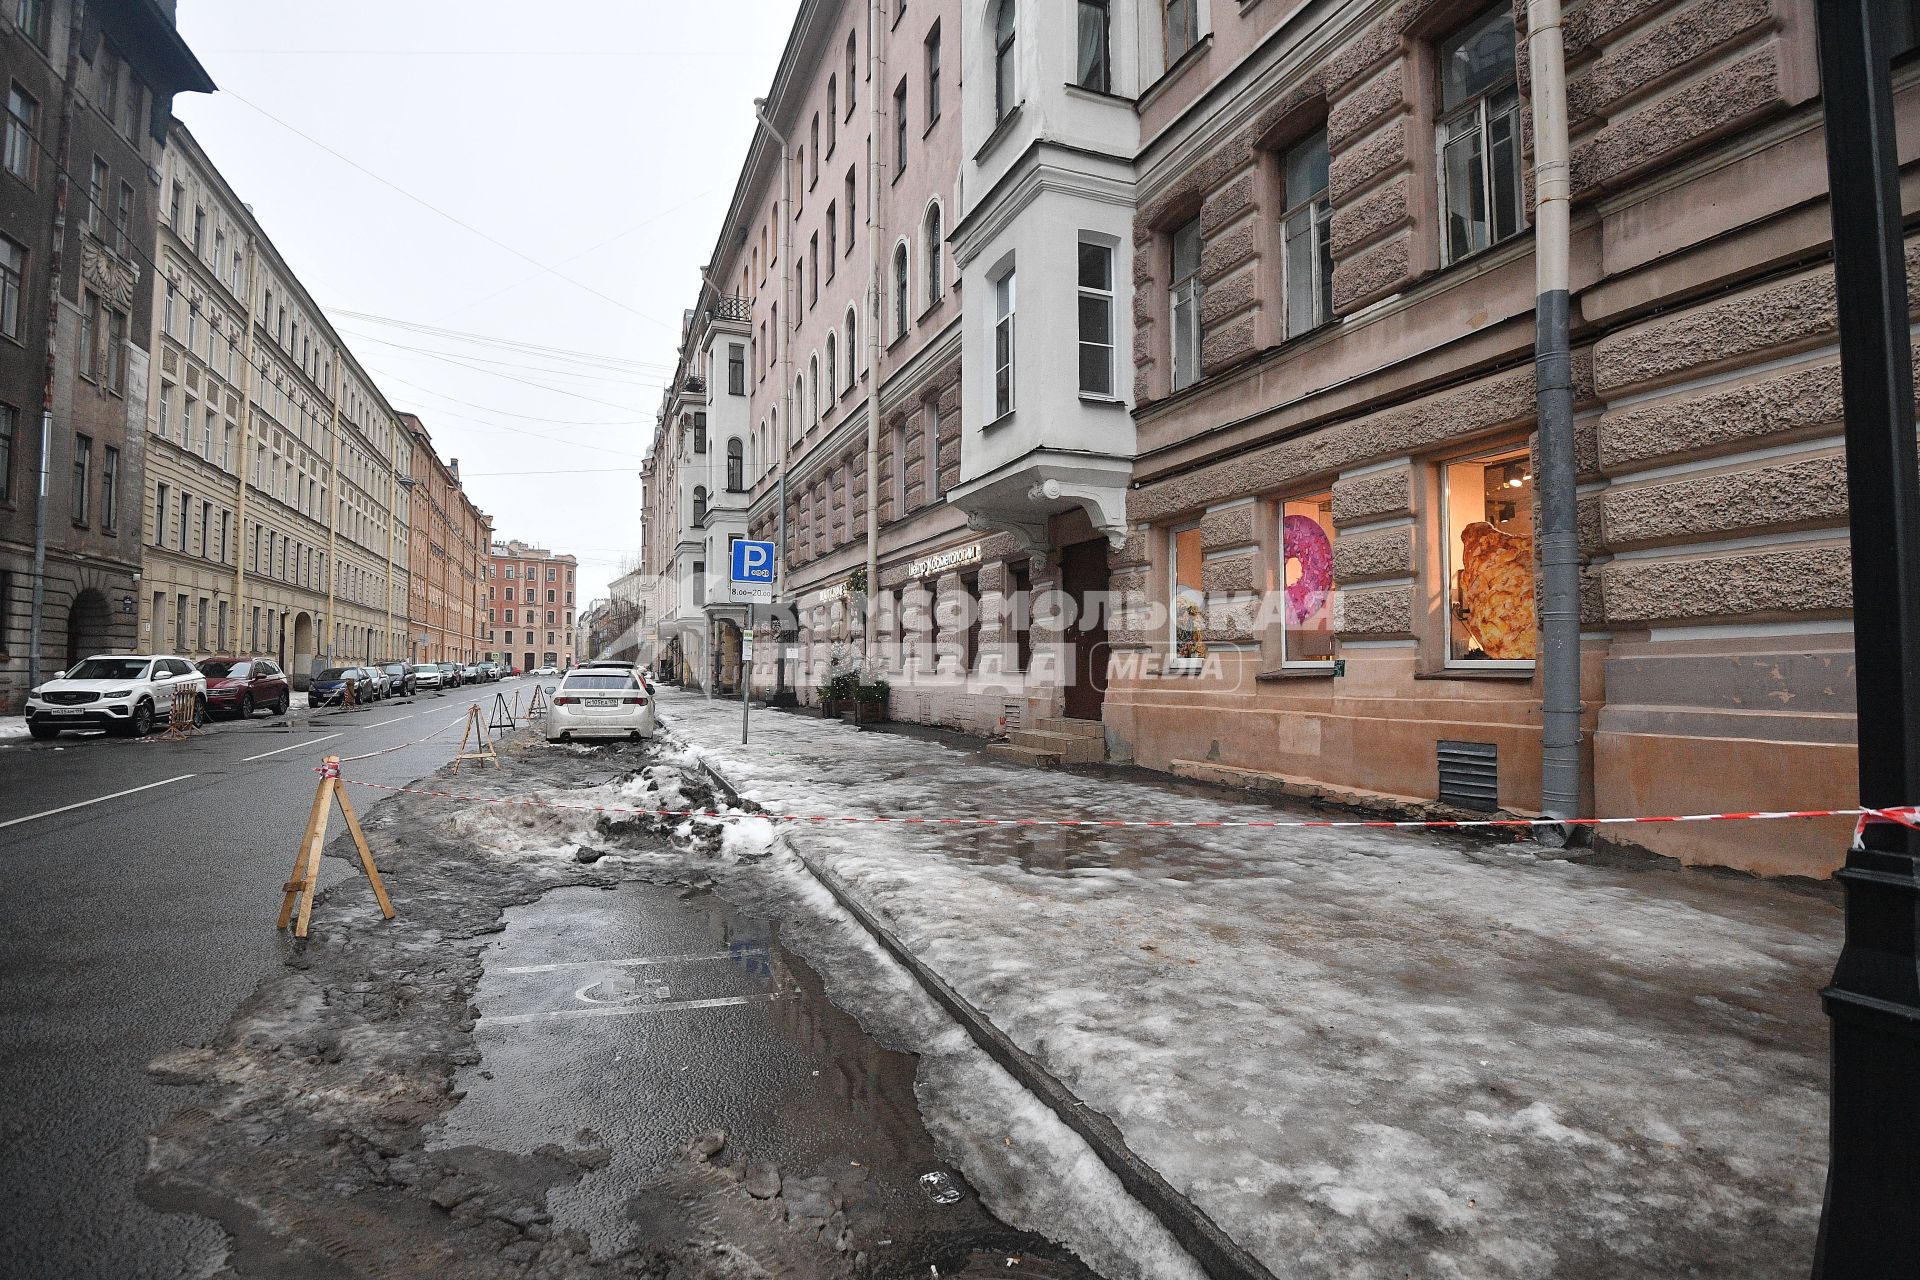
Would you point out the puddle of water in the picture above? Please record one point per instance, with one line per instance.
(652, 1019)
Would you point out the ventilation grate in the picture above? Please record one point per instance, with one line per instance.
(1470, 775)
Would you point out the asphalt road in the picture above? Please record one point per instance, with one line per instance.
(142, 883)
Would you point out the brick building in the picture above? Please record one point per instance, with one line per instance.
(447, 557)
(530, 608)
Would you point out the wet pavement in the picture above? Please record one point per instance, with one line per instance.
(651, 1017)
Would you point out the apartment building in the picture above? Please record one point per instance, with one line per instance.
(449, 549)
(1295, 548)
(530, 606)
(282, 529)
(78, 206)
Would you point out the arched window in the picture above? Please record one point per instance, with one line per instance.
(932, 248)
(813, 377)
(800, 398)
(775, 450)
(1003, 86)
(852, 77)
(853, 351)
(899, 289)
(736, 465)
(699, 504)
(832, 364)
(755, 450)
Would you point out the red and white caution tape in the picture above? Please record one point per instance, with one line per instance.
(1904, 815)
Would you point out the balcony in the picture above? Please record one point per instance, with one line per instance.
(732, 307)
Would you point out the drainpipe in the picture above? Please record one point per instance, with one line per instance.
(333, 504)
(876, 228)
(244, 462)
(55, 260)
(786, 364)
(1557, 483)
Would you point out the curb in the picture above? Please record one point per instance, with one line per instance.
(1198, 1234)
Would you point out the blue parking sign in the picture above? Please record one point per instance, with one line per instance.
(752, 574)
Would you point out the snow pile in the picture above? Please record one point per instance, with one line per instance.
(1364, 1053)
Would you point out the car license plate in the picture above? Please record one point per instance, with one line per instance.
(67, 711)
(602, 702)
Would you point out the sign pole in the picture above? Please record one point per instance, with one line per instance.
(746, 675)
(751, 575)
(1870, 1225)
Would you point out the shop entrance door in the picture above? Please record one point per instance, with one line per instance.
(1083, 577)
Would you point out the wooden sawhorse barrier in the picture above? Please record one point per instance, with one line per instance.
(306, 861)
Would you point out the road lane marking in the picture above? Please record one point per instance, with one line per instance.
(632, 962)
(295, 747)
(668, 1006)
(395, 720)
(66, 808)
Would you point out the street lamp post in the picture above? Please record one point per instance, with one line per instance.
(1870, 1225)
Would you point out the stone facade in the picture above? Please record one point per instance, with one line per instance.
(449, 554)
(530, 607)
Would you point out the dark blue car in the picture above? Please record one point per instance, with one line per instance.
(329, 687)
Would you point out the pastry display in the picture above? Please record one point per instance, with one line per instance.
(1496, 591)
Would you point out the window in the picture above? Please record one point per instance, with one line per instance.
(901, 291)
(1478, 137)
(1003, 88)
(1093, 68)
(1187, 597)
(813, 270)
(699, 443)
(900, 127)
(90, 335)
(799, 289)
(699, 504)
(122, 219)
(933, 75)
(800, 181)
(1307, 257)
(897, 451)
(851, 192)
(930, 444)
(853, 351)
(813, 172)
(852, 70)
(116, 353)
(200, 235)
(1306, 564)
(32, 17)
(97, 178)
(82, 476)
(1182, 28)
(833, 111)
(186, 520)
(832, 364)
(161, 493)
(935, 252)
(9, 432)
(13, 286)
(23, 117)
(1487, 502)
(813, 380)
(109, 82)
(1003, 345)
(736, 466)
(1096, 319)
(109, 486)
(833, 240)
(1183, 302)
(736, 369)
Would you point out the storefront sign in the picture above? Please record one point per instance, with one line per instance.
(941, 561)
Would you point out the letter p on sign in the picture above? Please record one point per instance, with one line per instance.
(752, 572)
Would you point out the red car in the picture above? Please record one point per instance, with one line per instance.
(241, 686)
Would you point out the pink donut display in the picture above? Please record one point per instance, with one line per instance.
(1306, 542)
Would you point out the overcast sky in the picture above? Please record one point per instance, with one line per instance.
(595, 139)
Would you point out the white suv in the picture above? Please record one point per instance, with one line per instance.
(121, 693)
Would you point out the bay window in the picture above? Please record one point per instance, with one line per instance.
(1003, 345)
(1096, 319)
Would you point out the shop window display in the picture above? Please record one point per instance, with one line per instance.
(1489, 525)
(1306, 550)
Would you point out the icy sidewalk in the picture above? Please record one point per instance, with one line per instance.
(1365, 1054)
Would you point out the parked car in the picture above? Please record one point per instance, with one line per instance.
(600, 703)
(242, 686)
(494, 670)
(473, 673)
(328, 687)
(617, 664)
(120, 693)
(403, 679)
(427, 676)
(546, 671)
(452, 675)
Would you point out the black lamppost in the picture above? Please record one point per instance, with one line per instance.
(1870, 1226)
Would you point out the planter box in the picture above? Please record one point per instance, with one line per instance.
(866, 712)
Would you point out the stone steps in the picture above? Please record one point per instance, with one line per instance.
(1032, 758)
(1072, 728)
(1070, 747)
